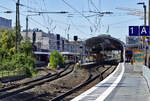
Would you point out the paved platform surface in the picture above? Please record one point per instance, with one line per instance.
(132, 87)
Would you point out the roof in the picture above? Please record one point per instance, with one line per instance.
(104, 42)
(69, 53)
(44, 53)
(48, 53)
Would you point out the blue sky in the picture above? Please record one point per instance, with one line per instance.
(118, 22)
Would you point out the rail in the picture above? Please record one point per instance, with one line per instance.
(30, 84)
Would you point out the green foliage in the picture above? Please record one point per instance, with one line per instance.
(26, 47)
(9, 60)
(7, 39)
(1, 84)
(56, 59)
(77, 65)
(7, 43)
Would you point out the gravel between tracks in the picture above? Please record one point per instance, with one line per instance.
(68, 98)
(56, 87)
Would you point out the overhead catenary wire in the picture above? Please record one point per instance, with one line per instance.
(42, 25)
(28, 7)
(97, 17)
(34, 9)
(38, 23)
(100, 4)
(47, 22)
(89, 5)
(77, 29)
(14, 1)
(78, 12)
(41, 9)
(5, 8)
(124, 21)
(48, 17)
(94, 5)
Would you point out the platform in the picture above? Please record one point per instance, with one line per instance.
(122, 85)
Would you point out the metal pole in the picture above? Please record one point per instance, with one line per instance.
(19, 35)
(148, 25)
(144, 6)
(26, 26)
(68, 36)
(16, 31)
(16, 41)
(149, 14)
(17, 26)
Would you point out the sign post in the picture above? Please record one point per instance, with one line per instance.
(142, 31)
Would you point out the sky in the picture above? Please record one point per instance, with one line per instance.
(83, 18)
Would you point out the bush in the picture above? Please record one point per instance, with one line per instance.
(28, 62)
(56, 59)
(19, 61)
(77, 65)
(9, 59)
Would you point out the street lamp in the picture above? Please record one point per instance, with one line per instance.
(144, 6)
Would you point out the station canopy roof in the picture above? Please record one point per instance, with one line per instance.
(104, 42)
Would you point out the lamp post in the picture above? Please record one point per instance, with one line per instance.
(149, 13)
(144, 6)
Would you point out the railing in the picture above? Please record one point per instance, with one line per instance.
(7, 73)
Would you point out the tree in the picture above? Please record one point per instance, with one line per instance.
(11, 60)
(56, 59)
(7, 42)
(26, 47)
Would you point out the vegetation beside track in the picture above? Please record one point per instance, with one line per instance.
(12, 59)
(56, 59)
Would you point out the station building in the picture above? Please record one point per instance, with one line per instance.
(48, 42)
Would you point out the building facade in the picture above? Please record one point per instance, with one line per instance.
(134, 42)
(47, 42)
(5, 23)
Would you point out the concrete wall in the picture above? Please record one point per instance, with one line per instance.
(146, 74)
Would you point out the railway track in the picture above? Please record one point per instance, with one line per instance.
(14, 90)
(90, 79)
(83, 84)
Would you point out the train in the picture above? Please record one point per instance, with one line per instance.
(70, 57)
(43, 57)
(108, 57)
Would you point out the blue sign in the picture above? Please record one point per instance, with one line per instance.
(144, 31)
(139, 30)
(133, 30)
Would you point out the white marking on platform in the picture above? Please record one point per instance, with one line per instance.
(113, 86)
(78, 98)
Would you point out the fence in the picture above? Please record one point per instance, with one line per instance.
(7, 73)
